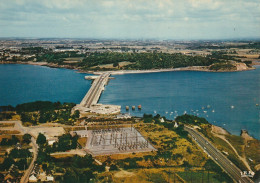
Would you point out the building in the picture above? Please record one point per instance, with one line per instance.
(162, 120)
(123, 116)
(32, 178)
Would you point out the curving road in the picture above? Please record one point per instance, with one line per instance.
(217, 156)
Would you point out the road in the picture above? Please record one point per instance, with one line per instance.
(27, 173)
(18, 126)
(217, 156)
(95, 90)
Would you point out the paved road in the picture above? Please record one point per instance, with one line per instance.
(218, 157)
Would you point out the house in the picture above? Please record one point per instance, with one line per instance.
(52, 141)
(176, 125)
(82, 133)
(162, 120)
(123, 116)
(32, 178)
(49, 178)
(18, 146)
(9, 178)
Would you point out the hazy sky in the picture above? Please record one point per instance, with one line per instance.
(159, 19)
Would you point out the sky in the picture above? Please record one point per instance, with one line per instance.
(131, 19)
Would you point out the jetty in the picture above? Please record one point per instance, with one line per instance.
(90, 101)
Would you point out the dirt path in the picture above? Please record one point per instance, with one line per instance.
(79, 152)
(221, 135)
(124, 173)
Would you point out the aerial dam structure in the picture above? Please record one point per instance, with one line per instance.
(90, 102)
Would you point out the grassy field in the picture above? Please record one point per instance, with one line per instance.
(199, 176)
(109, 66)
(4, 125)
(237, 142)
(252, 151)
(157, 175)
(73, 59)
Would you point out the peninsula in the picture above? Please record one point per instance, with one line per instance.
(133, 56)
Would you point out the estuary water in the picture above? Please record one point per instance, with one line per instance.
(225, 99)
(28, 83)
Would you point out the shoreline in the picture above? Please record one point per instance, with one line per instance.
(121, 72)
(190, 68)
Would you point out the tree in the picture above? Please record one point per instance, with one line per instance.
(70, 175)
(41, 139)
(19, 153)
(85, 175)
(14, 140)
(22, 164)
(42, 157)
(76, 114)
(115, 64)
(189, 150)
(27, 138)
(113, 167)
(2, 177)
(7, 163)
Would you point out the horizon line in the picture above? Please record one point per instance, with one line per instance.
(136, 39)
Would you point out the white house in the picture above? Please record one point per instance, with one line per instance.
(32, 178)
(176, 125)
(49, 178)
(162, 120)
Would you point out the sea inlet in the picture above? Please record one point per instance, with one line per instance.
(227, 99)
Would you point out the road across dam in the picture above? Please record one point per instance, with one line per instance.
(93, 95)
(90, 101)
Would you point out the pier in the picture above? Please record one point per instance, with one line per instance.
(90, 102)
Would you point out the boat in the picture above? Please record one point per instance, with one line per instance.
(232, 107)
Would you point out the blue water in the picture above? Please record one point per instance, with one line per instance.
(167, 92)
(162, 93)
(27, 83)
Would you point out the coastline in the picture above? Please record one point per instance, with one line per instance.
(121, 72)
(190, 68)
